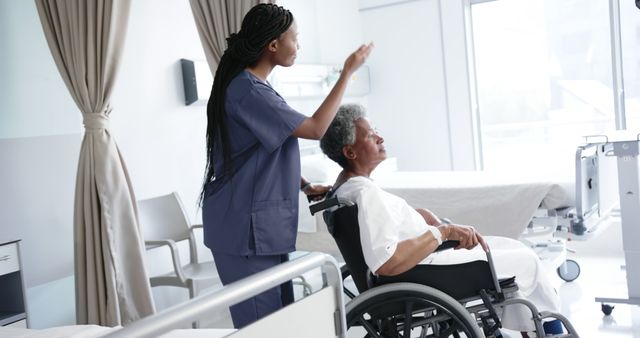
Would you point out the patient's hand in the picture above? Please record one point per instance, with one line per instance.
(466, 234)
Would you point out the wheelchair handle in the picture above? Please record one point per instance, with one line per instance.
(328, 203)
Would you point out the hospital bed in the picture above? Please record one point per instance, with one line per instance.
(320, 314)
(542, 210)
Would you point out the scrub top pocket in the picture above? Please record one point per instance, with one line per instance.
(271, 221)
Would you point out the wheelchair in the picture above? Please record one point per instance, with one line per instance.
(461, 300)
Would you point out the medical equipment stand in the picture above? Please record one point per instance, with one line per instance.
(626, 151)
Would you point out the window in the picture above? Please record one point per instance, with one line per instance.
(543, 79)
(630, 36)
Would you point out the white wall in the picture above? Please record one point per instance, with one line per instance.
(33, 98)
(37, 177)
(39, 144)
(408, 99)
(329, 30)
(161, 139)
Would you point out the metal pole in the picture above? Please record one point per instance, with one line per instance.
(616, 64)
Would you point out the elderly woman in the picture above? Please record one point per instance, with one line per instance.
(396, 237)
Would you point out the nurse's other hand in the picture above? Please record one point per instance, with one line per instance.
(316, 192)
(356, 59)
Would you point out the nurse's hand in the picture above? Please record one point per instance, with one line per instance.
(316, 192)
(356, 59)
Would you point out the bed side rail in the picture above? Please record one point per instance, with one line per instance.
(183, 314)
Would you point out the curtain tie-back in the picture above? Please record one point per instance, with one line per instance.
(95, 121)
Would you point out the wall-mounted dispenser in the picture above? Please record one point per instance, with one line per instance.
(197, 80)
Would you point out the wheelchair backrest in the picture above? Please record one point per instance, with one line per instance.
(342, 224)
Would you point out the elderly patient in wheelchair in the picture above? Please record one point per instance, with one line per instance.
(398, 244)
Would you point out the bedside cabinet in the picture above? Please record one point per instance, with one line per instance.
(13, 309)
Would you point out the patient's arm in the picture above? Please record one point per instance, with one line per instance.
(467, 235)
(429, 216)
(410, 252)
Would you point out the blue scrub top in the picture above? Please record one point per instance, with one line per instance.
(256, 211)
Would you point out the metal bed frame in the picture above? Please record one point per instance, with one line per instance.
(318, 325)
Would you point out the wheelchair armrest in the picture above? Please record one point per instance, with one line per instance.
(450, 244)
(328, 203)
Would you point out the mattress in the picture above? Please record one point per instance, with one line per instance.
(496, 204)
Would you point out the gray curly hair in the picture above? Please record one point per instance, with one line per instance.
(342, 132)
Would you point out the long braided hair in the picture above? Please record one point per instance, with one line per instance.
(261, 25)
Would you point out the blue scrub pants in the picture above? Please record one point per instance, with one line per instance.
(232, 268)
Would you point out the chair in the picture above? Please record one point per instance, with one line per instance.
(164, 222)
(437, 301)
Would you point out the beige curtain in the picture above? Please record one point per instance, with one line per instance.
(86, 40)
(216, 20)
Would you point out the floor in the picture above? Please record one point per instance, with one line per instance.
(600, 277)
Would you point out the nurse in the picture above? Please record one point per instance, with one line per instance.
(250, 193)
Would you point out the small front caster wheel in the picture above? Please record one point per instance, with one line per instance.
(607, 309)
(569, 270)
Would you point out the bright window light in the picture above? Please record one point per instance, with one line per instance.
(544, 80)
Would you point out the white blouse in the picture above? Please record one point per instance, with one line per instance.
(384, 219)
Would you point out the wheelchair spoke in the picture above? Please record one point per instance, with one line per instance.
(396, 313)
(371, 331)
(408, 318)
(423, 333)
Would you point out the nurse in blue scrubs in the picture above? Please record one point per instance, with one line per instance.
(250, 193)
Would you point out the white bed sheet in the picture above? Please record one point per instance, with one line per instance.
(496, 204)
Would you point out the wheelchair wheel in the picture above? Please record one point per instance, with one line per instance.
(569, 270)
(408, 310)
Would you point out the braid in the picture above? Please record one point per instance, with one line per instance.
(260, 25)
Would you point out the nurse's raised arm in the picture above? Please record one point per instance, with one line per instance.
(314, 127)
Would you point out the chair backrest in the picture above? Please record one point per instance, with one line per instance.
(163, 217)
(342, 224)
